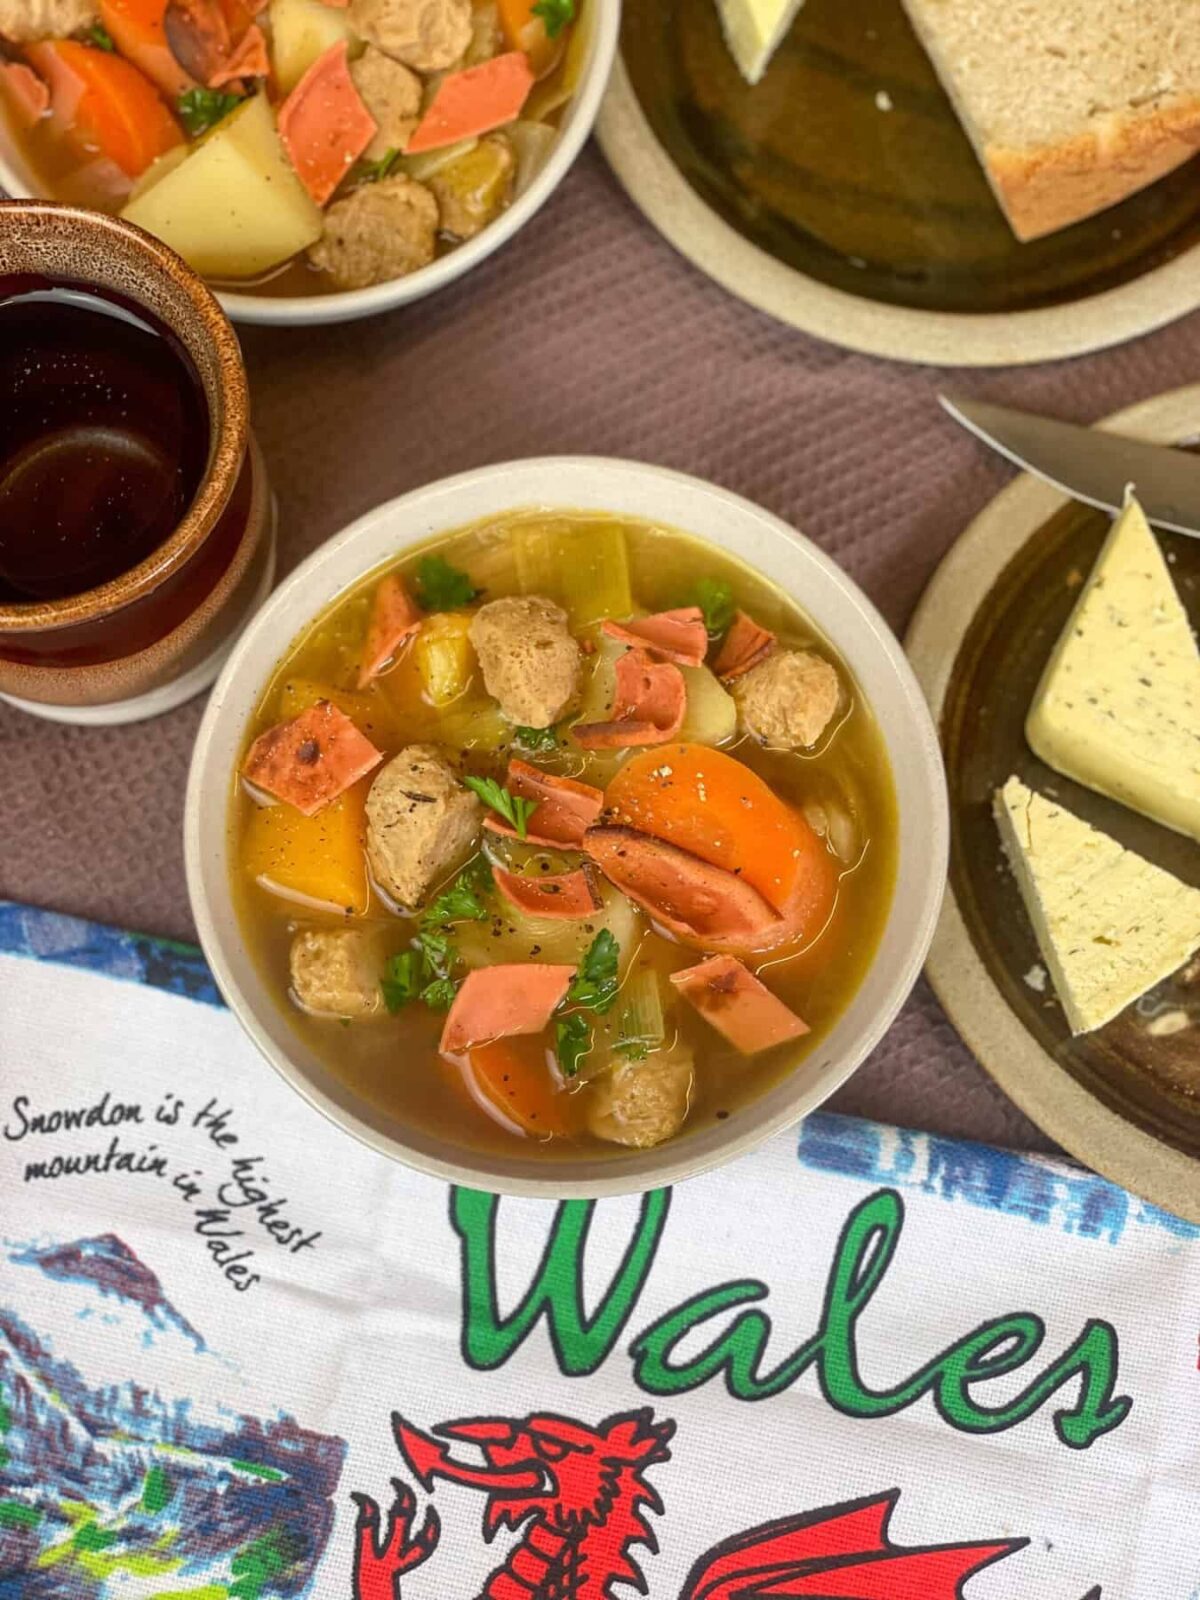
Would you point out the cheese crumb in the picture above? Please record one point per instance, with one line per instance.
(883, 101)
(1036, 978)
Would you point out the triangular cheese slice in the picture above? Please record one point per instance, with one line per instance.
(1118, 707)
(754, 30)
(1110, 925)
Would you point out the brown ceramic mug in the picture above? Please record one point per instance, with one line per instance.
(156, 634)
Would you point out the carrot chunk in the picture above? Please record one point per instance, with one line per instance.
(498, 1002)
(678, 636)
(524, 30)
(512, 1075)
(566, 896)
(474, 101)
(737, 1005)
(707, 802)
(700, 904)
(137, 29)
(25, 92)
(312, 759)
(324, 124)
(649, 707)
(248, 59)
(104, 105)
(565, 808)
(744, 646)
(395, 616)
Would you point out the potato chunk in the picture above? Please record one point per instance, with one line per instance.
(301, 32)
(233, 207)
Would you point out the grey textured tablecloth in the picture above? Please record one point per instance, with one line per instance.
(586, 334)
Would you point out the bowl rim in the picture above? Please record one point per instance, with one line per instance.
(228, 420)
(672, 1161)
(347, 305)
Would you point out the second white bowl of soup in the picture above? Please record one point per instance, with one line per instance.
(566, 827)
(313, 161)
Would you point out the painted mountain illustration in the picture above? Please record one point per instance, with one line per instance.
(116, 1481)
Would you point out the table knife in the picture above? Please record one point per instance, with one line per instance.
(1091, 465)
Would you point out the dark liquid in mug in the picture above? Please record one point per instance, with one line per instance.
(104, 436)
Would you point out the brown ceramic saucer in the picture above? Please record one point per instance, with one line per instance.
(1125, 1100)
(841, 195)
(152, 637)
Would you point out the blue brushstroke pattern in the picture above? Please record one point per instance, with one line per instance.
(1039, 1191)
(134, 957)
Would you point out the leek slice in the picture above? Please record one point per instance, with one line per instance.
(584, 565)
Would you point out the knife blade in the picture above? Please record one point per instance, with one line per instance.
(1090, 465)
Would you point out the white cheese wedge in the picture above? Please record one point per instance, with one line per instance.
(1109, 924)
(754, 30)
(1118, 707)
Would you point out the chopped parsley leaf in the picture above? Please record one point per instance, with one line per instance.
(537, 738)
(202, 109)
(439, 995)
(375, 171)
(99, 36)
(572, 1041)
(715, 599)
(442, 587)
(595, 984)
(555, 15)
(401, 981)
(461, 902)
(510, 806)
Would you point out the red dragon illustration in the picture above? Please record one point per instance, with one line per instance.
(581, 1496)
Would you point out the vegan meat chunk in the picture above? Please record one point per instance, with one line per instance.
(392, 94)
(23, 21)
(530, 662)
(421, 821)
(381, 231)
(429, 35)
(335, 972)
(788, 700)
(641, 1103)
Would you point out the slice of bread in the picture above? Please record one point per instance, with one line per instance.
(1072, 105)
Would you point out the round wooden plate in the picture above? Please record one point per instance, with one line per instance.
(841, 195)
(1125, 1100)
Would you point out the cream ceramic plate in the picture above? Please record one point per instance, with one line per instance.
(1127, 1099)
(841, 195)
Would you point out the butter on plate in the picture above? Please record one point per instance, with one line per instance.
(754, 30)
(1118, 707)
(1109, 924)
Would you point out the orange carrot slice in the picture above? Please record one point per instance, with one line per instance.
(744, 646)
(324, 124)
(512, 1074)
(395, 617)
(497, 1002)
(25, 92)
(104, 104)
(700, 904)
(469, 103)
(312, 759)
(565, 896)
(704, 801)
(565, 808)
(738, 1005)
(136, 27)
(248, 59)
(678, 636)
(649, 707)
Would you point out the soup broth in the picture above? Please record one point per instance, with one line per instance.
(595, 567)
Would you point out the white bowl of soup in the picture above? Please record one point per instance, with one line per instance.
(566, 827)
(314, 160)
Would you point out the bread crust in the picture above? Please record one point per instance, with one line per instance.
(1049, 187)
